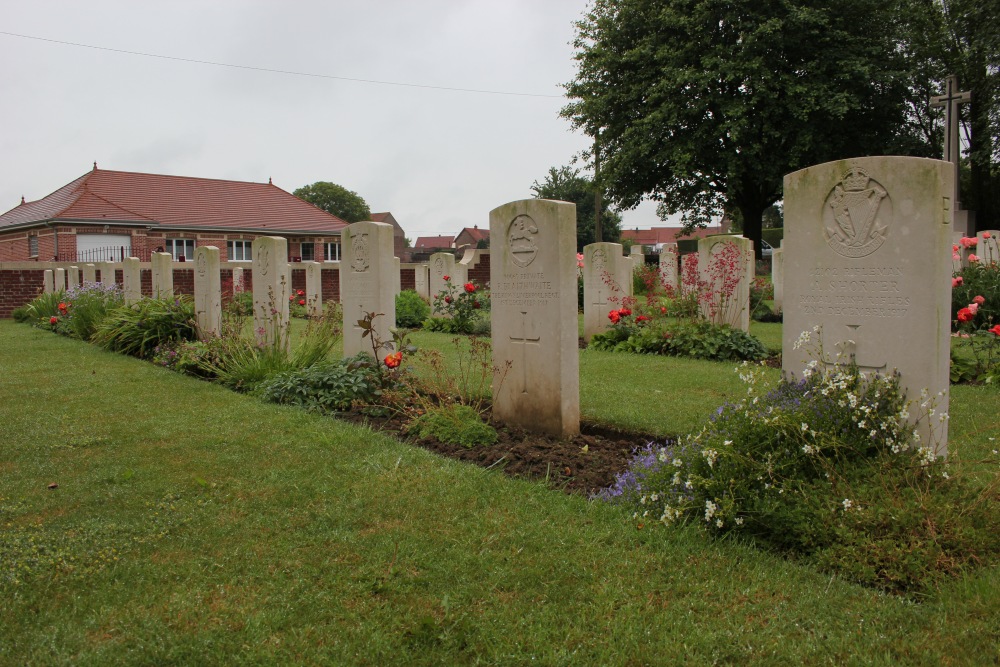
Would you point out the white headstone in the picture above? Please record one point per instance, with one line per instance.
(607, 279)
(778, 278)
(131, 280)
(869, 262)
(73, 277)
(314, 288)
(89, 273)
(638, 257)
(238, 285)
(668, 267)
(726, 265)
(272, 285)
(443, 270)
(60, 278)
(162, 264)
(367, 284)
(107, 273)
(48, 281)
(421, 280)
(534, 316)
(207, 291)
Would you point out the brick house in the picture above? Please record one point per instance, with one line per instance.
(473, 237)
(105, 215)
(655, 238)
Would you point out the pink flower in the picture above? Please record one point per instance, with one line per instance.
(987, 235)
(954, 247)
(973, 258)
(956, 258)
(973, 308)
(979, 299)
(957, 282)
(968, 241)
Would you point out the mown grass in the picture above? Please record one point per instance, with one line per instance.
(192, 525)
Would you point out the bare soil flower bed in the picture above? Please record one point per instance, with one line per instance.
(583, 464)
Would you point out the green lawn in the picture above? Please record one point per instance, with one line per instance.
(192, 525)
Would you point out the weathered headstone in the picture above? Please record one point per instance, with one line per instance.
(534, 316)
(367, 284)
(726, 265)
(131, 280)
(60, 278)
(668, 267)
(271, 288)
(638, 257)
(442, 265)
(869, 263)
(238, 285)
(607, 278)
(107, 273)
(207, 291)
(421, 280)
(314, 288)
(48, 281)
(162, 264)
(778, 278)
(73, 277)
(89, 274)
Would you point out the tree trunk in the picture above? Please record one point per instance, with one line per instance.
(753, 224)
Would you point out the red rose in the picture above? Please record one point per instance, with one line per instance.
(53, 320)
(663, 310)
(447, 299)
(956, 282)
(393, 360)
(470, 288)
(63, 307)
(475, 304)
(447, 278)
(302, 302)
(625, 312)
(301, 293)
(614, 316)
(995, 330)
(291, 298)
(965, 315)
(642, 318)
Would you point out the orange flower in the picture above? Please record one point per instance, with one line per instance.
(393, 360)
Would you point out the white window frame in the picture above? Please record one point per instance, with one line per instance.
(178, 248)
(331, 251)
(246, 251)
(32, 245)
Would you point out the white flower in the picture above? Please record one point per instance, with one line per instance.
(710, 509)
(809, 449)
(848, 504)
(710, 456)
(718, 523)
(678, 463)
(739, 521)
(805, 426)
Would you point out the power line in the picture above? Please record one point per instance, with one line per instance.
(275, 71)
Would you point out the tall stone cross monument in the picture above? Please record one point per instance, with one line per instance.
(952, 148)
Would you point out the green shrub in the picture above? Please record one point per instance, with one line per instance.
(87, 306)
(189, 357)
(827, 468)
(685, 338)
(147, 324)
(325, 387)
(411, 309)
(40, 309)
(477, 326)
(463, 305)
(978, 279)
(454, 424)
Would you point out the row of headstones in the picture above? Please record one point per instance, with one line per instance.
(60, 278)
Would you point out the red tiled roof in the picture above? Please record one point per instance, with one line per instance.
(425, 242)
(175, 202)
(475, 233)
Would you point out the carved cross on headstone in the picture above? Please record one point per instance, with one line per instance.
(848, 352)
(950, 101)
(524, 341)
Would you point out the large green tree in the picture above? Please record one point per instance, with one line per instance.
(704, 105)
(961, 37)
(336, 200)
(568, 184)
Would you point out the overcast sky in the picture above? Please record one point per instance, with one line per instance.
(439, 160)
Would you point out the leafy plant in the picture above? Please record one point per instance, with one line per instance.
(325, 387)
(411, 309)
(454, 424)
(140, 328)
(461, 304)
(87, 306)
(684, 338)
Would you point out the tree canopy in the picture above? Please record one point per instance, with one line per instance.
(703, 106)
(336, 200)
(567, 184)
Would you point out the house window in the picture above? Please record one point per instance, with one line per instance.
(32, 246)
(239, 251)
(307, 251)
(181, 248)
(331, 252)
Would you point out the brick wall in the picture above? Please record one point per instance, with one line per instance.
(18, 287)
